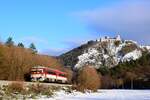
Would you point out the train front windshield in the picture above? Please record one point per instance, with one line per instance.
(36, 71)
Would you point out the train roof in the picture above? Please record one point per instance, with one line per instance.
(56, 70)
(39, 67)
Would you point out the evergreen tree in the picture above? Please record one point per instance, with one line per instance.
(33, 48)
(9, 42)
(21, 45)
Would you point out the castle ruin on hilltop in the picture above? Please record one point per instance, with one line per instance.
(106, 38)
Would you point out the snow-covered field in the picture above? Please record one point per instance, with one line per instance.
(103, 95)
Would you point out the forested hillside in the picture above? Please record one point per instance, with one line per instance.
(16, 60)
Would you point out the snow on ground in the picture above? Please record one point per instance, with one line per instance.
(102, 95)
(132, 55)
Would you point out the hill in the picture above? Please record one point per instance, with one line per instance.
(104, 52)
(119, 63)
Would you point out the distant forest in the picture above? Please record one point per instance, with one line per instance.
(132, 74)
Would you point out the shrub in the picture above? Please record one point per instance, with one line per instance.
(69, 74)
(40, 89)
(88, 78)
(117, 43)
(16, 87)
(37, 88)
(104, 44)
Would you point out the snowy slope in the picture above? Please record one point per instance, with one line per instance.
(132, 55)
(145, 48)
(102, 95)
(108, 52)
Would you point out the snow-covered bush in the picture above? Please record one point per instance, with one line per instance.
(90, 58)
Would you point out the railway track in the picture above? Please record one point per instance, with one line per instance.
(2, 82)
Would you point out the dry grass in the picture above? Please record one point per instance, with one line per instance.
(16, 87)
(37, 89)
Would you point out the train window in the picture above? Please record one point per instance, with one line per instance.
(33, 72)
(39, 71)
(51, 72)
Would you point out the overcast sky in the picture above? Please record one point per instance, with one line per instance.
(56, 26)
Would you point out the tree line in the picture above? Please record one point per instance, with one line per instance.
(16, 60)
(10, 43)
(134, 74)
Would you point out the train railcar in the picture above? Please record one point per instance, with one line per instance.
(40, 73)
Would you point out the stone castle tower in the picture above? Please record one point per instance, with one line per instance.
(118, 38)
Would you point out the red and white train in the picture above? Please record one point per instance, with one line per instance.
(40, 73)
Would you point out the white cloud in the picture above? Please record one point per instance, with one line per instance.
(131, 19)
